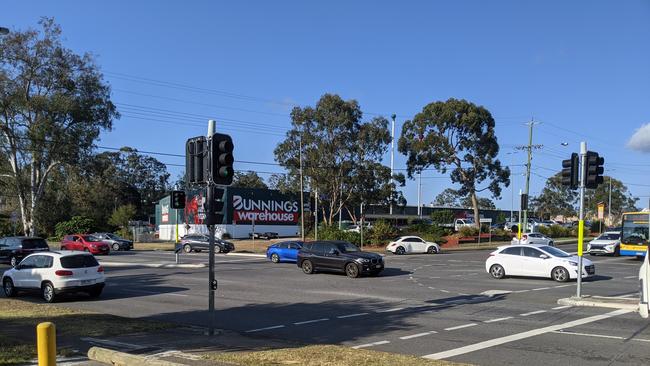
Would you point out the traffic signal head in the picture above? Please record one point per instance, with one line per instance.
(214, 206)
(222, 159)
(178, 199)
(570, 171)
(594, 170)
(195, 150)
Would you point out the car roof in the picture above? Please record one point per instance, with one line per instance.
(409, 236)
(61, 253)
(612, 232)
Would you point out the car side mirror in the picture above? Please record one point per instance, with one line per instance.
(544, 256)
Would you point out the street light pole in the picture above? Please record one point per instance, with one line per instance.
(302, 196)
(530, 147)
(609, 203)
(581, 222)
(392, 157)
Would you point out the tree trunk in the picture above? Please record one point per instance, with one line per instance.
(477, 218)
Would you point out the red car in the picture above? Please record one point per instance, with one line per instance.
(86, 243)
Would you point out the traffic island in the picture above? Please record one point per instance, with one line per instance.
(624, 303)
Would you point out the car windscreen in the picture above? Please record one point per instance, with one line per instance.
(613, 236)
(555, 252)
(113, 236)
(90, 238)
(78, 261)
(34, 244)
(347, 247)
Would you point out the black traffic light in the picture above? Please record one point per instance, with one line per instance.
(178, 199)
(570, 168)
(524, 202)
(594, 170)
(222, 159)
(214, 206)
(195, 151)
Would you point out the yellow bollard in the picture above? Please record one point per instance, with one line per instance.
(46, 344)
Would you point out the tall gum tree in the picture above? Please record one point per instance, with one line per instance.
(53, 106)
(458, 136)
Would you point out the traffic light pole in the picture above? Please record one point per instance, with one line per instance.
(581, 222)
(211, 278)
(530, 148)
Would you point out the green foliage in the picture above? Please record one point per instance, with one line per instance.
(442, 217)
(76, 225)
(330, 232)
(468, 231)
(622, 199)
(501, 217)
(555, 199)
(122, 215)
(501, 235)
(248, 180)
(382, 232)
(427, 232)
(557, 231)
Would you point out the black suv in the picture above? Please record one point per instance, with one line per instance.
(340, 256)
(199, 242)
(14, 249)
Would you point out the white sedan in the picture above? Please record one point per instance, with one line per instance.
(533, 238)
(412, 244)
(54, 273)
(536, 261)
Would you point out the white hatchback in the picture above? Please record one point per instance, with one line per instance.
(412, 244)
(54, 273)
(536, 261)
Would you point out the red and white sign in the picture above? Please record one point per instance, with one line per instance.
(265, 210)
(165, 214)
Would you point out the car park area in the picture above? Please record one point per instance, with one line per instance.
(439, 306)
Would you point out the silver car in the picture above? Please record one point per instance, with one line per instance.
(533, 238)
(115, 241)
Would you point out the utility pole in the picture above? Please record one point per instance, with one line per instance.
(581, 222)
(315, 213)
(392, 157)
(420, 194)
(340, 203)
(609, 203)
(302, 196)
(530, 148)
(361, 226)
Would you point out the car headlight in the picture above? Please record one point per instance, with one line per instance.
(364, 260)
(573, 264)
(609, 246)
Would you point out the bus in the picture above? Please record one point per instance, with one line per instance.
(635, 233)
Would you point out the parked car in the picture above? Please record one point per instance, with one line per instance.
(286, 251)
(266, 235)
(339, 256)
(86, 243)
(357, 228)
(533, 238)
(14, 248)
(536, 260)
(54, 273)
(608, 242)
(412, 244)
(463, 222)
(115, 241)
(199, 242)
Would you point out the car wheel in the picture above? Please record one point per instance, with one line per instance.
(400, 251)
(497, 271)
(116, 247)
(47, 292)
(432, 250)
(560, 274)
(8, 286)
(86, 250)
(617, 251)
(197, 250)
(352, 270)
(95, 292)
(187, 248)
(13, 261)
(275, 258)
(307, 267)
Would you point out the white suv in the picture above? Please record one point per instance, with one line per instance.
(53, 273)
(533, 238)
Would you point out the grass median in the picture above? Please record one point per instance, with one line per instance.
(19, 319)
(324, 355)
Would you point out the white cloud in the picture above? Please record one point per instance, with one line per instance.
(640, 141)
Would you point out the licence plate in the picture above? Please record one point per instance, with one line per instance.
(87, 282)
(378, 266)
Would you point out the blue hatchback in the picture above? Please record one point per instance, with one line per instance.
(286, 251)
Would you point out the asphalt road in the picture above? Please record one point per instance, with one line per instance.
(440, 306)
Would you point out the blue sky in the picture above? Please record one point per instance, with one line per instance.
(580, 68)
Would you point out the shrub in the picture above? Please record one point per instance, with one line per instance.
(381, 233)
(596, 225)
(77, 224)
(468, 231)
(500, 234)
(442, 217)
(427, 232)
(556, 231)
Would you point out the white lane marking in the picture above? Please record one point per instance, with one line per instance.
(110, 343)
(515, 337)
(631, 277)
(445, 291)
(541, 288)
(418, 335)
(311, 321)
(154, 292)
(432, 288)
(266, 328)
(371, 344)
(351, 315)
(561, 307)
(519, 291)
(533, 313)
(463, 294)
(492, 293)
(461, 326)
(390, 310)
(497, 319)
(587, 334)
(560, 286)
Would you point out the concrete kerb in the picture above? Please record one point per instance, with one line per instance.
(152, 265)
(602, 302)
(495, 245)
(117, 358)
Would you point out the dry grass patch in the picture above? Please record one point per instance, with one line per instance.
(324, 355)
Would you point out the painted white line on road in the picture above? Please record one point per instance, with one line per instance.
(445, 291)
(560, 286)
(461, 326)
(266, 328)
(153, 292)
(533, 313)
(351, 315)
(519, 291)
(587, 334)
(497, 319)
(371, 344)
(519, 336)
(390, 310)
(561, 307)
(311, 321)
(417, 335)
(631, 277)
(540, 289)
(463, 294)
(432, 288)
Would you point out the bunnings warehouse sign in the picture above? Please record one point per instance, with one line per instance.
(263, 206)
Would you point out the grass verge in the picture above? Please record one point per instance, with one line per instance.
(324, 355)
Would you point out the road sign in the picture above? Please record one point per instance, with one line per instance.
(601, 211)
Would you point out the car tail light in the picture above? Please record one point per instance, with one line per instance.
(63, 273)
(100, 269)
